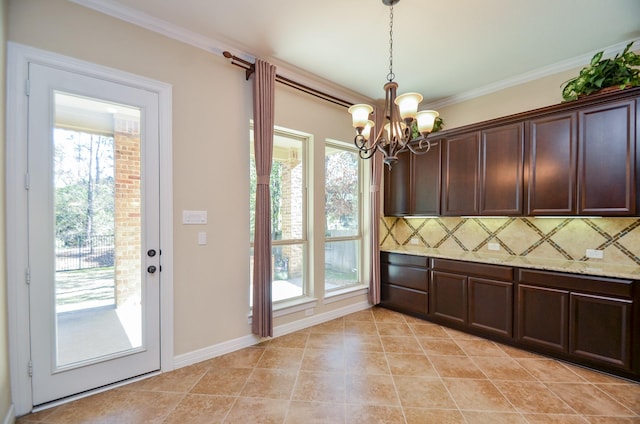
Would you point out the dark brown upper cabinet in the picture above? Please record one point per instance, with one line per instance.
(583, 162)
(573, 158)
(483, 172)
(607, 159)
(397, 186)
(412, 186)
(460, 169)
(552, 146)
(501, 170)
(425, 181)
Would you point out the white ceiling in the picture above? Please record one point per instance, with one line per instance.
(442, 49)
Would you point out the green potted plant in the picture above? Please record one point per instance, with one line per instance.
(619, 71)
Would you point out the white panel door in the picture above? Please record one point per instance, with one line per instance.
(93, 223)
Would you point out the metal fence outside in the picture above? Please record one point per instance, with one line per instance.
(85, 253)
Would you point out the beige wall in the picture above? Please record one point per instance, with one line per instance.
(211, 112)
(535, 94)
(5, 392)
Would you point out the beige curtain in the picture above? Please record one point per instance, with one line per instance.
(263, 119)
(376, 179)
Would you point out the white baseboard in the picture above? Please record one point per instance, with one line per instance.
(10, 418)
(229, 346)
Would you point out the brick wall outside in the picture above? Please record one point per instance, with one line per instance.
(291, 214)
(128, 236)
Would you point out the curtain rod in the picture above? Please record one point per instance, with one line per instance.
(250, 69)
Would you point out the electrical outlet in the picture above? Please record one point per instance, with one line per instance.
(595, 254)
(493, 246)
(414, 240)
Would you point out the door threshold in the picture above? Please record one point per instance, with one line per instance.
(95, 391)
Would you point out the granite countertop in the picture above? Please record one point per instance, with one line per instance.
(562, 265)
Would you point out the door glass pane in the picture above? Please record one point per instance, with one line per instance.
(97, 230)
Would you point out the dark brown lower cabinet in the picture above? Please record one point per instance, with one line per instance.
(449, 297)
(468, 299)
(404, 282)
(600, 329)
(542, 317)
(588, 320)
(491, 306)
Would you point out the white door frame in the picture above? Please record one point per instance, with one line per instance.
(19, 56)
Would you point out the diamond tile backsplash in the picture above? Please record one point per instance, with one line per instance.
(551, 238)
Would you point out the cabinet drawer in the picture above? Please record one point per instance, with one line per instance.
(596, 285)
(414, 278)
(498, 272)
(400, 259)
(404, 299)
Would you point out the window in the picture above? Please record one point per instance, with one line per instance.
(288, 214)
(343, 206)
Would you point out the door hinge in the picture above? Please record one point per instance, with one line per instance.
(27, 181)
(27, 275)
(27, 88)
(30, 369)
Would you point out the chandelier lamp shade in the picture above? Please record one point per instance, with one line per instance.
(401, 115)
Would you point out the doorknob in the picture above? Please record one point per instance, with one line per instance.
(151, 269)
(151, 253)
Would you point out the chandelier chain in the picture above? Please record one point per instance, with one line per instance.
(391, 75)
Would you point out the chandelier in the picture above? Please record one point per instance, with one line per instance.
(405, 127)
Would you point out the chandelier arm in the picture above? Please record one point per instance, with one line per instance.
(367, 154)
(421, 150)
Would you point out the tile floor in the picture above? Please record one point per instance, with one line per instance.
(374, 366)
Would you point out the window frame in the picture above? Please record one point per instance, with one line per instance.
(306, 144)
(360, 235)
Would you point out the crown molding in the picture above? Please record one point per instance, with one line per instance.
(533, 75)
(135, 17)
(124, 13)
(143, 20)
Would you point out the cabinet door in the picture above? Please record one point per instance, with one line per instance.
(542, 317)
(491, 306)
(448, 297)
(606, 165)
(397, 187)
(426, 181)
(600, 329)
(460, 167)
(551, 165)
(501, 175)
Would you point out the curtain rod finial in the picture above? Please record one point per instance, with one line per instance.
(227, 54)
